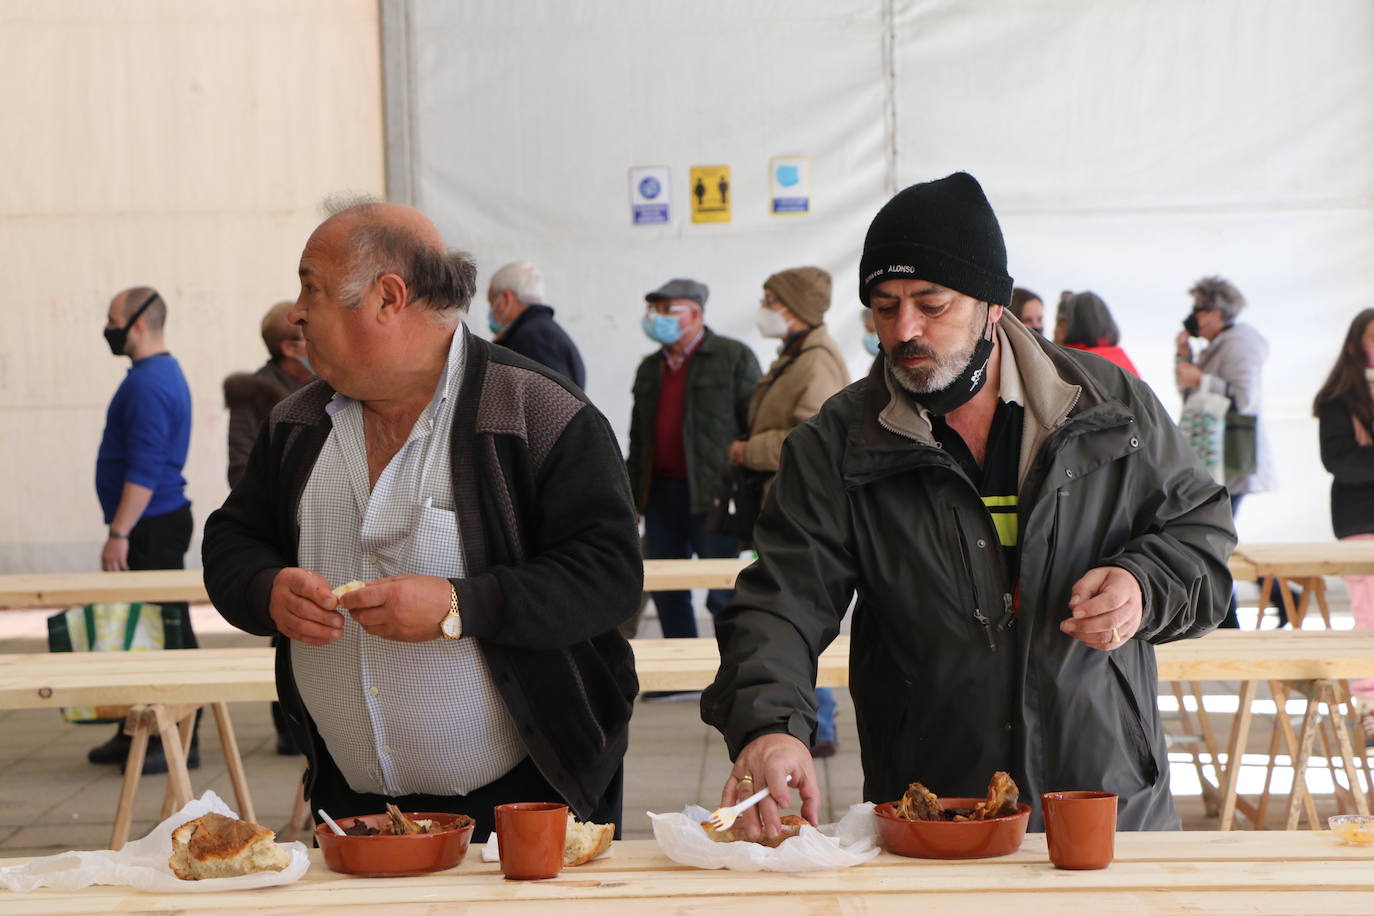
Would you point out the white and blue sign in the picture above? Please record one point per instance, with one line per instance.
(651, 192)
(789, 182)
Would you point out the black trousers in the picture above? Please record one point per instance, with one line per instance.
(523, 784)
(161, 542)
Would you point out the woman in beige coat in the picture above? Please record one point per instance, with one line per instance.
(808, 370)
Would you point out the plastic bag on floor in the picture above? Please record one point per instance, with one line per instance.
(142, 864)
(851, 841)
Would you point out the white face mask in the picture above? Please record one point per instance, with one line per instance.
(770, 323)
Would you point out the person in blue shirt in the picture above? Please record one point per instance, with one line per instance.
(138, 470)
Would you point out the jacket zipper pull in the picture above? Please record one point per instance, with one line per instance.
(1008, 614)
(986, 624)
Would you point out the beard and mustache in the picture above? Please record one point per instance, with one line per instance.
(941, 371)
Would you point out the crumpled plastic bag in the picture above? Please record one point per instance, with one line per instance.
(491, 850)
(142, 864)
(851, 841)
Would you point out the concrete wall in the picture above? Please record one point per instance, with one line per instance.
(182, 145)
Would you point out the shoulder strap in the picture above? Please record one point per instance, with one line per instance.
(781, 369)
(131, 623)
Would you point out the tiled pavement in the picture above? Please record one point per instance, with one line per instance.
(51, 799)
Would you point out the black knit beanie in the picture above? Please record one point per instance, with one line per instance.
(943, 231)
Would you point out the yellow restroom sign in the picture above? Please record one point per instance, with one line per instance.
(710, 193)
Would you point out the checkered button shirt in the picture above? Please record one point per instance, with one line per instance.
(398, 718)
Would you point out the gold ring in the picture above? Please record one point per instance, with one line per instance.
(1116, 637)
(743, 779)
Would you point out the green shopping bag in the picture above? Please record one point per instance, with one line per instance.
(116, 626)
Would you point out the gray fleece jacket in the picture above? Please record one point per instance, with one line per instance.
(1233, 366)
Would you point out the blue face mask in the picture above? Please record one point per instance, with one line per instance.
(662, 328)
(871, 343)
(495, 326)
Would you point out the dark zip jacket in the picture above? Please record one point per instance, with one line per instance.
(535, 334)
(950, 678)
(1352, 470)
(721, 377)
(551, 544)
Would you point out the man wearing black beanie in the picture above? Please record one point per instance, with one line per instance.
(1021, 523)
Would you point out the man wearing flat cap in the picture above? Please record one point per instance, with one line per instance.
(1021, 525)
(691, 400)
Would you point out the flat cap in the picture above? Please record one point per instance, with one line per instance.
(680, 288)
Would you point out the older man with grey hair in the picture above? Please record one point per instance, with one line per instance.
(482, 502)
(522, 322)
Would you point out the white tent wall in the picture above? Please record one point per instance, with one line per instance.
(527, 117)
(1133, 147)
(1129, 147)
(183, 145)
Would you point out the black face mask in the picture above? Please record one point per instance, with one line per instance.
(1190, 325)
(118, 338)
(968, 383)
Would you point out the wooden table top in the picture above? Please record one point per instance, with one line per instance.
(1201, 872)
(26, 590)
(41, 680)
(1332, 558)
(64, 589)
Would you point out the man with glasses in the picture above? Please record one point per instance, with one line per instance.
(691, 400)
(1231, 365)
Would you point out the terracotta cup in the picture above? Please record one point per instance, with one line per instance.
(531, 836)
(1080, 828)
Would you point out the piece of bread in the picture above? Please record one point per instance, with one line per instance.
(791, 826)
(349, 587)
(215, 846)
(586, 841)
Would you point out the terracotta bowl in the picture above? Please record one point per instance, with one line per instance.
(999, 836)
(391, 856)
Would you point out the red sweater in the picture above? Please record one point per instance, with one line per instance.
(1111, 353)
(670, 459)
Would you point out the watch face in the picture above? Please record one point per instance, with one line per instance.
(452, 626)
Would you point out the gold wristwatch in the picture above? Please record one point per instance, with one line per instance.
(452, 624)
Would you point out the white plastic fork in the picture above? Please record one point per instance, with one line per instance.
(332, 826)
(724, 818)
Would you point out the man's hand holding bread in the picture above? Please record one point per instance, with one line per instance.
(303, 607)
(403, 608)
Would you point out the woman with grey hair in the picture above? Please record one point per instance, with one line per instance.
(1231, 365)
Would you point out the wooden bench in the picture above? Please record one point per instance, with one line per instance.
(27, 590)
(1303, 566)
(30, 590)
(179, 682)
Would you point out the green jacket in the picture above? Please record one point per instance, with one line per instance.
(950, 677)
(720, 383)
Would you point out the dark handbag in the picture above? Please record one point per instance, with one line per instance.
(736, 502)
(1240, 454)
